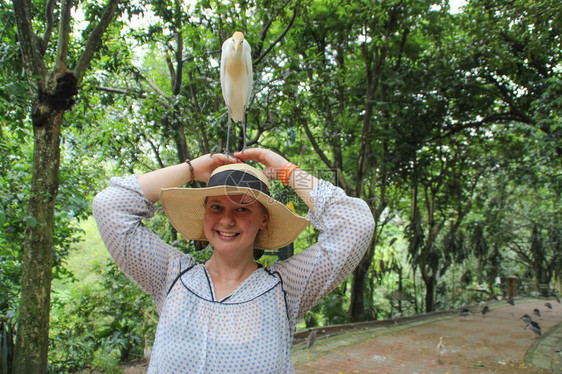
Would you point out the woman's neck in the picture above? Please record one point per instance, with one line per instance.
(226, 276)
(230, 270)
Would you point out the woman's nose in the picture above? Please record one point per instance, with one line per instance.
(227, 218)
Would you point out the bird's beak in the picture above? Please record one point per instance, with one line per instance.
(236, 46)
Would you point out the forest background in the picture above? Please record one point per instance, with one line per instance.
(446, 123)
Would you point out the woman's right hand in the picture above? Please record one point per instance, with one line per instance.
(178, 175)
(204, 166)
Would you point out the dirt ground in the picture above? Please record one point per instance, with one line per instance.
(493, 343)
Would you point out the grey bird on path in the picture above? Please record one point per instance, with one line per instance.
(548, 305)
(526, 318)
(537, 313)
(310, 339)
(534, 327)
(465, 313)
(485, 310)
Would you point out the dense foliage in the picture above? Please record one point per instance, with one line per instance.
(101, 323)
(448, 125)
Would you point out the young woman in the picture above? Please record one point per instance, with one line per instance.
(230, 315)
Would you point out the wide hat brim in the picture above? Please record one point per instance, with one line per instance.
(185, 210)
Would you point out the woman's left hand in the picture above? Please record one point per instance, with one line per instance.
(272, 161)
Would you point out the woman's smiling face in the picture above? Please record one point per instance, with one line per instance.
(232, 222)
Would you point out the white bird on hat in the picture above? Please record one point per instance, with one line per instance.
(236, 74)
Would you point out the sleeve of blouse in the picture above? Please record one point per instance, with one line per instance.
(139, 253)
(346, 227)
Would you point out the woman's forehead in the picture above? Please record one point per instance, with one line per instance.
(241, 199)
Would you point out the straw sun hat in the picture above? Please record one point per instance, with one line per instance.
(185, 207)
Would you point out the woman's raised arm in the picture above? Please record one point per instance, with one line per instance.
(178, 175)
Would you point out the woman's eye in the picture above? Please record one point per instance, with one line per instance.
(215, 207)
(243, 209)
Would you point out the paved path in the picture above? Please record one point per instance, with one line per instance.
(494, 343)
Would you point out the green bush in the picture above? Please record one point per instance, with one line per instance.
(107, 362)
(100, 324)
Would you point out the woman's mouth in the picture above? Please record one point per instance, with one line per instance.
(228, 234)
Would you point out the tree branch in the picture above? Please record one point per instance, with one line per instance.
(278, 39)
(171, 70)
(132, 93)
(50, 23)
(263, 32)
(94, 39)
(316, 146)
(521, 253)
(261, 37)
(155, 88)
(123, 91)
(64, 34)
(177, 83)
(29, 42)
(205, 148)
(155, 150)
(496, 117)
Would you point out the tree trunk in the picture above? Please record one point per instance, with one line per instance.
(415, 287)
(429, 292)
(357, 302)
(32, 341)
(54, 96)
(400, 289)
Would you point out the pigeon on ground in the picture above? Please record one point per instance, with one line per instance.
(534, 327)
(310, 339)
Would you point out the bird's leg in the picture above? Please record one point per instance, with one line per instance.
(244, 129)
(227, 150)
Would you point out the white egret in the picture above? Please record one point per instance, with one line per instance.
(440, 349)
(236, 75)
(147, 350)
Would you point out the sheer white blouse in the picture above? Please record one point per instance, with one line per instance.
(251, 330)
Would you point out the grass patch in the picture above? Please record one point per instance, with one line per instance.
(81, 261)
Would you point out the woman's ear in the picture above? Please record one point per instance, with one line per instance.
(265, 219)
